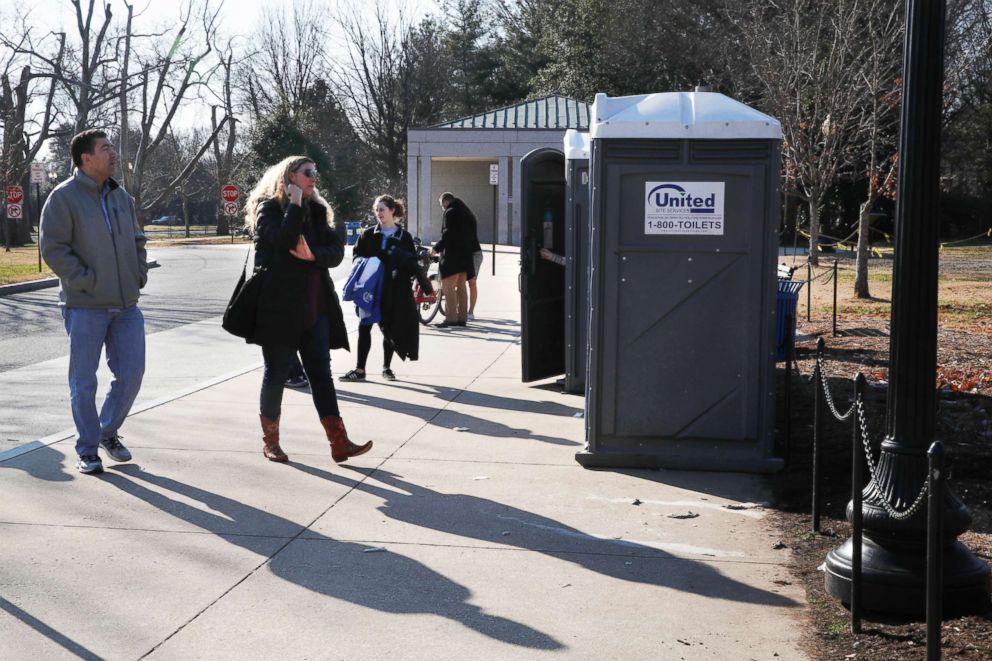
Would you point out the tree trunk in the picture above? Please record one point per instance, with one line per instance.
(861, 265)
(814, 233)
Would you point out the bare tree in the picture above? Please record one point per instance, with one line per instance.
(168, 76)
(290, 59)
(802, 53)
(879, 51)
(23, 132)
(390, 80)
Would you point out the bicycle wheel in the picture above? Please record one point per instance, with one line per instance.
(426, 307)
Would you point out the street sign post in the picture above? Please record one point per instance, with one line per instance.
(231, 208)
(37, 177)
(494, 182)
(230, 193)
(14, 211)
(15, 195)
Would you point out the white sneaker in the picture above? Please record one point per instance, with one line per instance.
(471, 317)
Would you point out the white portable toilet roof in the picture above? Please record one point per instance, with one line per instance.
(681, 115)
(577, 145)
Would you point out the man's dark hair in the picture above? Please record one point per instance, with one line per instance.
(84, 143)
(447, 197)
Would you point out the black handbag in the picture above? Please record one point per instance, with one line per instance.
(242, 309)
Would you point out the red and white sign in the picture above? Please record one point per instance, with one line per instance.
(230, 193)
(231, 208)
(15, 194)
(14, 211)
(37, 173)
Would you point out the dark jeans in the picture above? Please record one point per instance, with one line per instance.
(314, 347)
(365, 345)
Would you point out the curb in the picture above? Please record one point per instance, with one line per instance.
(44, 283)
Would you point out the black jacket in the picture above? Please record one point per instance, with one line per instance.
(282, 302)
(400, 324)
(457, 242)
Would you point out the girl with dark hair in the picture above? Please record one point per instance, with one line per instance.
(298, 310)
(400, 326)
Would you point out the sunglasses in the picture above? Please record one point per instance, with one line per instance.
(309, 173)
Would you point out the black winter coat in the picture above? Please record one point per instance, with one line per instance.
(400, 324)
(457, 242)
(283, 298)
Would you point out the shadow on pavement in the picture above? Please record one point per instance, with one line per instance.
(53, 468)
(479, 426)
(403, 585)
(486, 520)
(59, 639)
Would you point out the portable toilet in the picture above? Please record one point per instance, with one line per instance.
(542, 283)
(576, 258)
(685, 213)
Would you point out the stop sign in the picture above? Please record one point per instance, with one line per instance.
(15, 194)
(229, 193)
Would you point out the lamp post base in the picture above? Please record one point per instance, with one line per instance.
(894, 578)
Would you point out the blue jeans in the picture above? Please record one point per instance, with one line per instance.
(123, 334)
(314, 348)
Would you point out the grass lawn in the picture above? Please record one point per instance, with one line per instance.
(21, 265)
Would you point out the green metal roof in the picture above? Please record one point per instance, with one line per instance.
(550, 112)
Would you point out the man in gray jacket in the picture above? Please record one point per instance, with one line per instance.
(91, 239)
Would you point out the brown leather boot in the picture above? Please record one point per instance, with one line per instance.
(270, 440)
(341, 445)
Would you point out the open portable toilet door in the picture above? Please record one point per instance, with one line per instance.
(542, 283)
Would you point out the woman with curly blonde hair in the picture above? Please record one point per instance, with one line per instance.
(298, 310)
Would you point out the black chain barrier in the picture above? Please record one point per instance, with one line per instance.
(861, 456)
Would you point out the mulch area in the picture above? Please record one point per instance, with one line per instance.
(964, 424)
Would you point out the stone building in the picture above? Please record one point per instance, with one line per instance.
(464, 155)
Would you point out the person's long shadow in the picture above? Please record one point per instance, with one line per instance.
(487, 520)
(45, 630)
(413, 587)
(476, 424)
(43, 463)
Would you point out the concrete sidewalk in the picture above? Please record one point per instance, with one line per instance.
(469, 531)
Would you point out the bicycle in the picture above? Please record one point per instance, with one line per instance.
(428, 305)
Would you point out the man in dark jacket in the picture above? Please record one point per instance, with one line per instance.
(91, 239)
(456, 264)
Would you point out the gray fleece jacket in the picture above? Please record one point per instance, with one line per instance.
(97, 267)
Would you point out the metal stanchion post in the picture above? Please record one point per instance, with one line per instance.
(817, 395)
(790, 353)
(809, 290)
(834, 332)
(857, 487)
(935, 565)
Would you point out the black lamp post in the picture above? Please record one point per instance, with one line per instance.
(894, 552)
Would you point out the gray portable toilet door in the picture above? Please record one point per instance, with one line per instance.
(542, 283)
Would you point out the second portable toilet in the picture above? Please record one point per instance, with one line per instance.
(577, 258)
(685, 213)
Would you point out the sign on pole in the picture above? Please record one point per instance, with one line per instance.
(14, 211)
(231, 208)
(15, 195)
(37, 173)
(230, 193)
(494, 174)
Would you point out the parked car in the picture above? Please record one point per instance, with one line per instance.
(167, 220)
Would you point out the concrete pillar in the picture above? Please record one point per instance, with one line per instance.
(503, 220)
(412, 195)
(426, 203)
(515, 235)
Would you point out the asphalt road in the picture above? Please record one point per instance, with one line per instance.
(182, 304)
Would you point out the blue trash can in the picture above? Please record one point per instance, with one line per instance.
(785, 315)
(353, 228)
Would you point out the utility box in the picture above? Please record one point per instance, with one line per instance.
(685, 213)
(576, 258)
